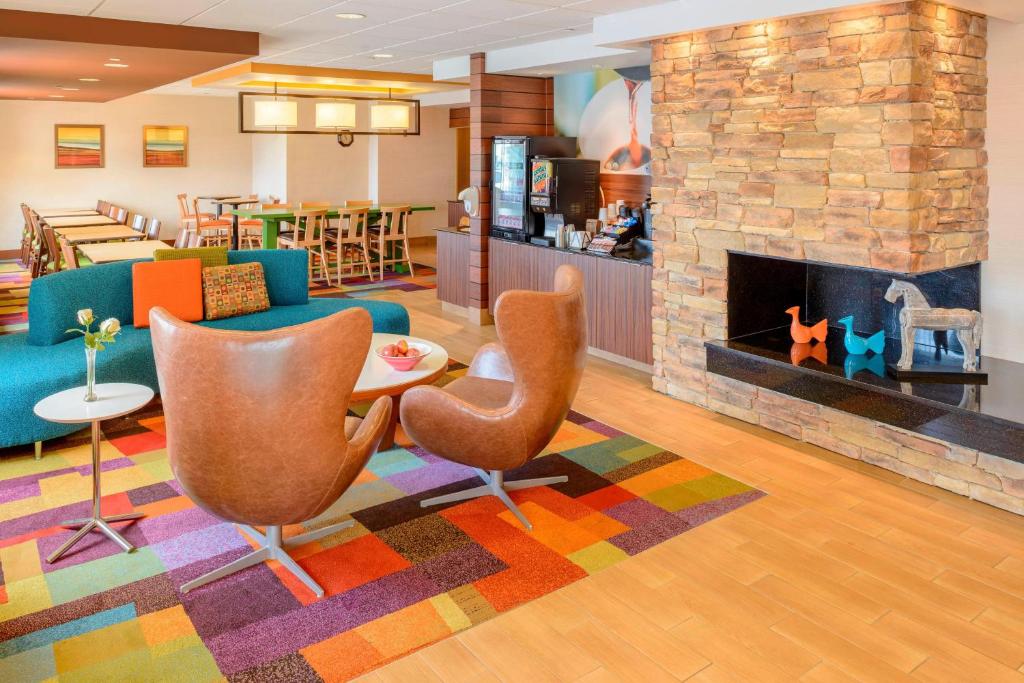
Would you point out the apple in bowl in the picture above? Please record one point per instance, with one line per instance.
(403, 355)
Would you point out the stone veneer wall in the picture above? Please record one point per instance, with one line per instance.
(853, 137)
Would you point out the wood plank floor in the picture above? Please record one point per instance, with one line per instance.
(844, 572)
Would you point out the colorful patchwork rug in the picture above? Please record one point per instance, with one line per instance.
(14, 282)
(403, 577)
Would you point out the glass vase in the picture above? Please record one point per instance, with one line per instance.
(90, 374)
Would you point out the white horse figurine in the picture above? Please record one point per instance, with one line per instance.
(917, 314)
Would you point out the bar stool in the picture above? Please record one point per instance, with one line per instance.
(310, 226)
(210, 231)
(351, 243)
(392, 233)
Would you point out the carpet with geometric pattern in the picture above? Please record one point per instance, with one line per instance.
(401, 578)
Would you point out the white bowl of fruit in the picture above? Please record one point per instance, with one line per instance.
(403, 355)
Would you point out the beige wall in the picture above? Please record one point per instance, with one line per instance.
(319, 169)
(1002, 276)
(420, 169)
(220, 159)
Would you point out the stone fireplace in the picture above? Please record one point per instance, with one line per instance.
(851, 138)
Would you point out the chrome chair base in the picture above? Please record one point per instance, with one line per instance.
(273, 548)
(496, 486)
(100, 524)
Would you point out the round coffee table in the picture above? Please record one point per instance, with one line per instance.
(70, 407)
(380, 379)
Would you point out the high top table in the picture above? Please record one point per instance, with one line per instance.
(272, 219)
(70, 407)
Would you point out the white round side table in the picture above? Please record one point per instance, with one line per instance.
(70, 407)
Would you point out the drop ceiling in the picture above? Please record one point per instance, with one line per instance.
(307, 32)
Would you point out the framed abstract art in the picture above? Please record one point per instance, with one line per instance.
(165, 146)
(78, 145)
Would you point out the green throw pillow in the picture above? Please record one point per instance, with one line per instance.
(209, 256)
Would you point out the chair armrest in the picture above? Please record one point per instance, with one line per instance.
(491, 362)
(372, 428)
(458, 431)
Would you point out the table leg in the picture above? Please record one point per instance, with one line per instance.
(387, 442)
(97, 521)
(234, 231)
(270, 229)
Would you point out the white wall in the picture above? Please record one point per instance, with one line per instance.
(270, 166)
(321, 170)
(220, 159)
(1002, 276)
(420, 169)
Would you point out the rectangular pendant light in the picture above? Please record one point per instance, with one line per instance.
(276, 113)
(389, 115)
(336, 115)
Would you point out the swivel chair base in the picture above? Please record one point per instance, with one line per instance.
(496, 486)
(273, 548)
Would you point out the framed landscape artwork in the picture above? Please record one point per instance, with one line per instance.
(165, 146)
(78, 146)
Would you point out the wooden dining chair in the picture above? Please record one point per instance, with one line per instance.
(187, 216)
(53, 264)
(70, 255)
(310, 226)
(186, 237)
(391, 234)
(351, 245)
(102, 206)
(152, 229)
(26, 236)
(41, 255)
(250, 230)
(210, 232)
(138, 223)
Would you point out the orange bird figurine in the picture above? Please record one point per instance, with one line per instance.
(801, 333)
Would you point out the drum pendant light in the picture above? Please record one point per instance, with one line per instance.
(275, 112)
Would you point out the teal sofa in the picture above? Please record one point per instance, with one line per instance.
(46, 359)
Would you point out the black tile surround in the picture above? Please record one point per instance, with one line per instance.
(988, 418)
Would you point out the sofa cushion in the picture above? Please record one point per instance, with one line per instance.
(210, 256)
(234, 290)
(54, 300)
(175, 285)
(286, 272)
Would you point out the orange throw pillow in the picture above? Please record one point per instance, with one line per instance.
(175, 285)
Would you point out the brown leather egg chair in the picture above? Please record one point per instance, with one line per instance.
(256, 426)
(514, 396)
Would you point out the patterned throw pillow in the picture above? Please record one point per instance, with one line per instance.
(234, 290)
(210, 256)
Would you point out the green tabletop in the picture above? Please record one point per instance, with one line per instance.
(272, 219)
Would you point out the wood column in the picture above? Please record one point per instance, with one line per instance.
(499, 105)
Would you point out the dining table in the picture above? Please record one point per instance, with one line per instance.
(79, 221)
(272, 219)
(98, 233)
(218, 201)
(57, 213)
(234, 203)
(107, 252)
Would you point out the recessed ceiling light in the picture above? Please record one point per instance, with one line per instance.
(383, 55)
(89, 80)
(350, 15)
(114, 59)
(116, 65)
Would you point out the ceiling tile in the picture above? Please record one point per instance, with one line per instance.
(58, 6)
(258, 15)
(162, 12)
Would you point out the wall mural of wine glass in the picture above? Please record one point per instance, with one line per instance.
(609, 112)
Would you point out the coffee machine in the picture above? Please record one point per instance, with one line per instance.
(563, 191)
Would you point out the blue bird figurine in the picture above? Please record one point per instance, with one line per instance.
(858, 345)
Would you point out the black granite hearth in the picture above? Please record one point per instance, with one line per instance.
(760, 352)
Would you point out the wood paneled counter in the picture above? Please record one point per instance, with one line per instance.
(618, 291)
(453, 266)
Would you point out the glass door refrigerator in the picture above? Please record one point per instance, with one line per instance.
(511, 157)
